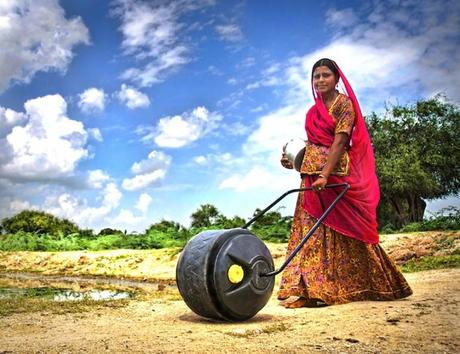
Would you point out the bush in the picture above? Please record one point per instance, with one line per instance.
(109, 231)
(38, 222)
(445, 219)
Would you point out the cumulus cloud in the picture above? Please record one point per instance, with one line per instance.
(182, 130)
(92, 100)
(79, 210)
(214, 159)
(36, 36)
(132, 98)
(401, 47)
(125, 217)
(97, 178)
(148, 172)
(200, 160)
(144, 180)
(265, 82)
(95, 133)
(48, 146)
(8, 119)
(256, 178)
(143, 202)
(230, 32)
(16, 206)
(152, 35)
(341, 18)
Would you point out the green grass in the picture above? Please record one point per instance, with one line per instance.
(10, 306)
(431, 262)
(27, 241)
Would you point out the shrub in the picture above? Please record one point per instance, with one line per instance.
(38, 222)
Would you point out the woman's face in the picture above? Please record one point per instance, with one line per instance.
(324, 80)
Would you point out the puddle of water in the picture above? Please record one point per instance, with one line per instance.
(56, 294)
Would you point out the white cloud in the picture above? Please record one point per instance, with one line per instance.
(182, 130)
(256, 178)
(125, 217)
(144, 180)
(232, 81)
(16, 206)
(143, 202)
(274, 130)
(132, 98)
(156, 160)
(237, 128)
(259, 108)
(95, 133)
(215, 159)
(265, 82)
(230, 32)
(78, 209)
(112, 196)
(148, 172)
(8, 119)
(97, 178)
(152, 34)
(341, 18)
(200, 160)
(215, 71)
(402, 47)
(48, 146)
(246, 63)
(36, 36)
(92, 100)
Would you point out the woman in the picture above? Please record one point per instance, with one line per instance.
(342, 261)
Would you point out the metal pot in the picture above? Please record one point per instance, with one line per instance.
(294, 150)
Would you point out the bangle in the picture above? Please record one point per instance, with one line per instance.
(322, 176)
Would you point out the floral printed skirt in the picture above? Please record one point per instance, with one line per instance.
(338, 269)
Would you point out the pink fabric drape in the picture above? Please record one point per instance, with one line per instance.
(355, 214)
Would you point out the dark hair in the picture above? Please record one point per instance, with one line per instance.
(326, 62)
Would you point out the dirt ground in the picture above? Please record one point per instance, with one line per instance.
(426, 322)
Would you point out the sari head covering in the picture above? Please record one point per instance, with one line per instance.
(355, 214)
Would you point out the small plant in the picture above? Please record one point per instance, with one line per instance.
(431, 262)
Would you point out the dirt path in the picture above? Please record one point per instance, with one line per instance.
(426, 322)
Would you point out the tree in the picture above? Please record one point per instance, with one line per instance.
(172, 229)
(272, 226)
(222, 222)
(417, 157)
(38, 222)
(205, 216)
(165, 226)
(109, 231)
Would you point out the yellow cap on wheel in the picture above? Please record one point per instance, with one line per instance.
(235, 273)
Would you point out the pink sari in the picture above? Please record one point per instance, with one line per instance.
(355, 214)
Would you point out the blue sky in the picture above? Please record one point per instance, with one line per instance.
(122, 113)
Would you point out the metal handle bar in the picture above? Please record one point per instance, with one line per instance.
(287, 193)
(312, 230)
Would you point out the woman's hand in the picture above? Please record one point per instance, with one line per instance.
(319, 184)
(285, 162)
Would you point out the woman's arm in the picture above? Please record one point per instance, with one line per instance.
(335, 152)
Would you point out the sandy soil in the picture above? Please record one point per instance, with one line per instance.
(426, 322)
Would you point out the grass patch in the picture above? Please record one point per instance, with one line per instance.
(247, 333)
(431, 262)
(10, 306)
(274, 328)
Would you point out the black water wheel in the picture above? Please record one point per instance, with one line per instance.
(218, 274)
